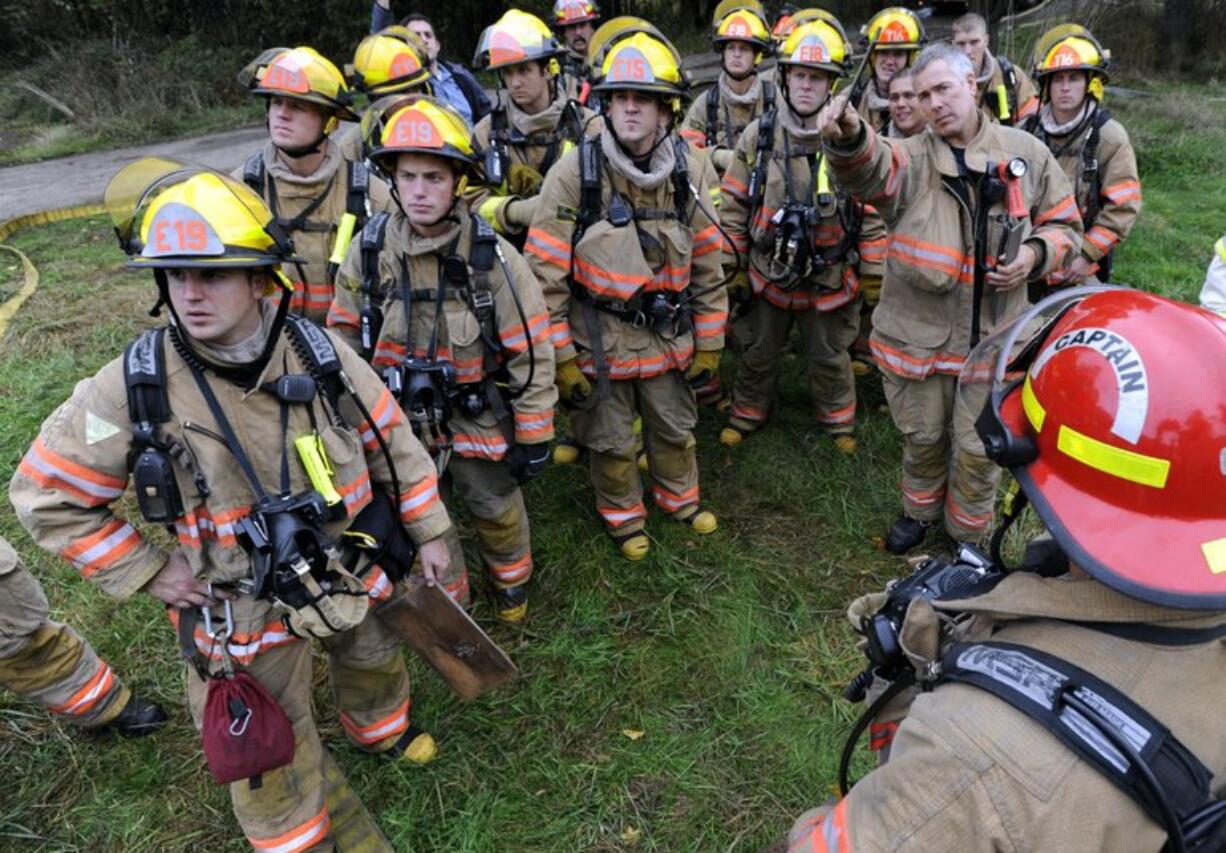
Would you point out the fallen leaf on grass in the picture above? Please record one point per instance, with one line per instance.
(633, 734)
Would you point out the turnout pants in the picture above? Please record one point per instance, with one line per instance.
(499, 517)
(307, 805)
(827, 338)
(669, 414)
(50, 663)
(945, 474)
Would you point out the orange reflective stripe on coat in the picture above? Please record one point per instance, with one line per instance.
(478, 446)
(608, 283)
(242, 646)
(514, 339)
(103, 548)
(919, 253)
(416, 503)
(828, 834)
(902, 364)
(301, 837)
(386, 415)
(53, 471)
(640, 368)
(1123, 191)
(706, 241)
(533, 427)
(311, 298)
(547, 248)
(1064, 211)
(1102, 239)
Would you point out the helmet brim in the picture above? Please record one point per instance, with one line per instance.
(341, 111)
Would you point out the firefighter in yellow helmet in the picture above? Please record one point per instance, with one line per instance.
(718, 116)
(802, 244)
(451, 315)
(574, 21)
(893, 38)
(633, 283)
(1006, 93)
(318, 196)
(50, 663)
(533, 125)
(261, 443)
(392, 61)
(1091, 147)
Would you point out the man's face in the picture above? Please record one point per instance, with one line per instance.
(426, 33)
(577, 36)
(738, 58)
(887, 63)
(904, 107)
(293, 123)
(426, 185)
(974, 43)
(947, 100)
(636, 116)
(527, 84)
(1068, 90)
(807, 88)
(216, 306)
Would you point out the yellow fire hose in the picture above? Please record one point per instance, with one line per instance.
(29, 271)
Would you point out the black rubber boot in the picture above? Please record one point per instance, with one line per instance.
(511, 605)
(138, 718)
(907, 533)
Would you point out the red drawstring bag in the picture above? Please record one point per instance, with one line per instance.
(245, 732)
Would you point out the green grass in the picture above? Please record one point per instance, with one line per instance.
(728, 653)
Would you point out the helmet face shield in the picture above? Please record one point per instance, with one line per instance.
(1106, 404)
(169, 215)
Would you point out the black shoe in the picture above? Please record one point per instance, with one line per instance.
(907, 533)
(138, 718)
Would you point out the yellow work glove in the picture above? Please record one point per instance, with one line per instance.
(870, 286)
(705, 365)
(523, 180)
(573, 386)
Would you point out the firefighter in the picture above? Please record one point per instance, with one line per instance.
(893, 38)
(1091, 147)
(975, 210)
(1067, 711)
(574, 21)
(317, 196)
(1006, 93)
(452, 316)
(533, 125)
(51, 664)
(808, 244)
(262, 445)
(390, 62)
(626, 244)
(906, 117)
(719, 115)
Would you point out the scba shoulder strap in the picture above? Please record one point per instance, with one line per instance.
(1105, 728)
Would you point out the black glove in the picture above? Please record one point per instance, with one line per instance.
(527, 461)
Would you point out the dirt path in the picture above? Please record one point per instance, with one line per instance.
(80, 179)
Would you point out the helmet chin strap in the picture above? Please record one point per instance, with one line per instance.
(274, 332)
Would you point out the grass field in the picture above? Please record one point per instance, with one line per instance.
(728, 654)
